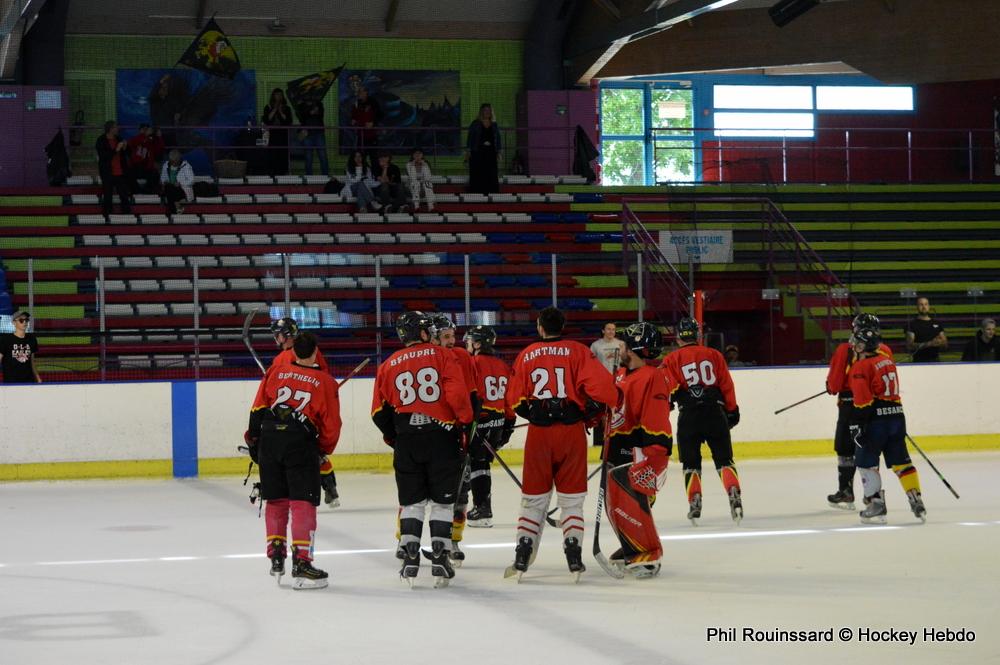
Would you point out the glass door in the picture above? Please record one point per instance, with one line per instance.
(671, 113)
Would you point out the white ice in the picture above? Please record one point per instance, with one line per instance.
(172, 572)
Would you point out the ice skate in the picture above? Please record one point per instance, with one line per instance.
(875, 512)
(574, 557)
(644, 570)
(694, 509)
(441, 567)
(480, 517)
(307, 576)
(522, 559)
(456, 555)
(330, 495)
(735, 504)
(411, 562)
(277, 557)
(917, 505)
(843, 499)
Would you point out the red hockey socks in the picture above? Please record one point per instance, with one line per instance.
(730, 478)
(303, 528)
(276, 523)
(692, 483)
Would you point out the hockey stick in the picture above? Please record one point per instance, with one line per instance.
(354, 371)
(800, 402)
(548, 518)
(926, 459)
(590, 477)
(601, 494)
(246, 338)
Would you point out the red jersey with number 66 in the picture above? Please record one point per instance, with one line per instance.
(493, 375)
(308, 390)
(699, 371)
(425, 379)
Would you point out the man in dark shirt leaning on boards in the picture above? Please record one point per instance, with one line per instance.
(925, 338)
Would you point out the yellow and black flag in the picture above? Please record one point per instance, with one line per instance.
(312, 88)
(212, 53)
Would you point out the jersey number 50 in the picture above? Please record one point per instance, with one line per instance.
(427, 388)
(699, 373)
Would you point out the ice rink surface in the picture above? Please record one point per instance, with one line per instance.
(172, 572)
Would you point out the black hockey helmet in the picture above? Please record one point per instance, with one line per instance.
(870, 337)
(866, 321)
(409, 325)
(485, 335)
(286, 326)
(643, 339)
(688, 329)
(441, 322)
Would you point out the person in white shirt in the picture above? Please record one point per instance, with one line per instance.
(604, 348)
(177, 178)
(419, 173)
(360, 183)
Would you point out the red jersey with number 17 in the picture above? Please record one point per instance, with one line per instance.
(422, 378)
(560, 369)
(693, 366)
(875, 382)
(308, 390)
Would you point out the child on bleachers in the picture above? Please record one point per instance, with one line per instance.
(419, 173)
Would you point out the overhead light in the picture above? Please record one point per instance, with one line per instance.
(787, 11)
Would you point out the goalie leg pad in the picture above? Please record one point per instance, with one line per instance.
(630, 517)
(571, 513)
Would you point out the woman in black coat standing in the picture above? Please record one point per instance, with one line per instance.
(277, 118)
(483, 153)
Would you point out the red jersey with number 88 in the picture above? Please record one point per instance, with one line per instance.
(424, 379)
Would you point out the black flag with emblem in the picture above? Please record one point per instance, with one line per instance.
(211, 52)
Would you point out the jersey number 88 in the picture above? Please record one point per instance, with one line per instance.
(427, 388)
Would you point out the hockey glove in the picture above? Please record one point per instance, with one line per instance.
(507, 432)
(733, 417)
(251, 447)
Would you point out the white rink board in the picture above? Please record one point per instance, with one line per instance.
(132, 421)
(85, 422)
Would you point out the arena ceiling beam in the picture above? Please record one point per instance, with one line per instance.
(592, 50)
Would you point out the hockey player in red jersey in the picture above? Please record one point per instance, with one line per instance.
(421, 405)
(445, 337)
(639, 451)
(552, 383)
(284, 331)
(494, 426)
(878, 427)
(837, 384)
(295, 418)
(704, 393)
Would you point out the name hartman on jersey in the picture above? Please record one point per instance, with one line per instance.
(299, 377)
(546, 351)
(410, 355)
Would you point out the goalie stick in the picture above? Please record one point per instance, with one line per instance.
(602, 560)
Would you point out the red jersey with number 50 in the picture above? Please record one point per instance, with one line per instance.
(308, 390)
(493, 375)
(873, 380)
(424, 379)
(695, 365)
(560, 369)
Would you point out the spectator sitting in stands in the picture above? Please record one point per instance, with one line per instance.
(984, 346)
(112, 164)
(359, 182)
(419, 172)
(389, 190)
(733, 356)
(925, 338)
(177, 178)
(313, 135)
(144, 152)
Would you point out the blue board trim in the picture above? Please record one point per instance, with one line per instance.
(184, 417)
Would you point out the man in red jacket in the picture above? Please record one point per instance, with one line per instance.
(703, 390)
(295, 418)
(556, 385)
(144, 152)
